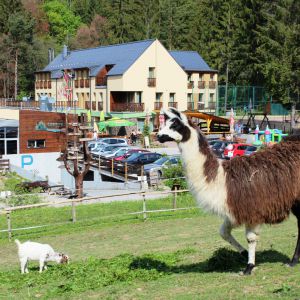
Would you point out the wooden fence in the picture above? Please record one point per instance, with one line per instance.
(10, 210)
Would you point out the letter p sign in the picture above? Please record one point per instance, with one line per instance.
(26, 160)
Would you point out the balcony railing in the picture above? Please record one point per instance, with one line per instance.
(158, 105)
(201, 84)
(212, 84)
(211, 105)
(190, 84)
(152, 82)
(172, 104)
(81, 83)
(190, 105)
(127, 107)
(101, 81)
(87, 105)
(200, 105)
(100, 106)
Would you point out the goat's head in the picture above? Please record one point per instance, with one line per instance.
(61, 258)
(177, 127)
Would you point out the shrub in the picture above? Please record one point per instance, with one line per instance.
(174, 175)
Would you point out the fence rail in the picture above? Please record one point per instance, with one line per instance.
(8, 211)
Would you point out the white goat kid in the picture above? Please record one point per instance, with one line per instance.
(39, 252)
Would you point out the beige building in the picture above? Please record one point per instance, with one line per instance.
(134, 77)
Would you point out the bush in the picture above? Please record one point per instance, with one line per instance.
(174, 176)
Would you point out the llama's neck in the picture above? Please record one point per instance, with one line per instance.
(209, 191)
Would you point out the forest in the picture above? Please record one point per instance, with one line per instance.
(249, 42)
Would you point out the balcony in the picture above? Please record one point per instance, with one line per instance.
(190, 84)
(211, 105)
(87, 83)
(127, 107)
(37, 84)
(158, 105)
(45, 84)
(76, 83)
(81, 83)
(212, 84)
(172, 104)
(87, 105)
(100, 106)
(200, 105)
(201, 84)
(152, 82)
(190, 105)
(49, 84)
(101, 81)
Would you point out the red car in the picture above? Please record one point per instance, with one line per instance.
(233, 150)
(129, 152)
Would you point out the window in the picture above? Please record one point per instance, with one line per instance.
(200, 97)
(11, 147)
(2, 148)
(158, 97)
(211, 97)
(138, 97)
(101, 97)
(151, 72)
(211, 77)
(200, 77)
(189, 97)
(189, 77)
(36, 144)
(8, 140)
(172, 97)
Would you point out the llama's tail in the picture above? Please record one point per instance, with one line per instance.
(18, 243)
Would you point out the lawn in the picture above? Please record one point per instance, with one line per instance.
(171, 255)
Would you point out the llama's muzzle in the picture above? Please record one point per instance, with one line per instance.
(162, 138)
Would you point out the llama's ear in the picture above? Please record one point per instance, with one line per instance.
(178, 114)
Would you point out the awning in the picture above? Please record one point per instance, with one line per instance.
(114, 122)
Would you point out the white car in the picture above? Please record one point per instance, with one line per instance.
(116, 152)
(101, 151)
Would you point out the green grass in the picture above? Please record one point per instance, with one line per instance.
(172, 255)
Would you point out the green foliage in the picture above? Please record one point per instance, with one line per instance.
(63, 22)
(174, 176)
(146, 130)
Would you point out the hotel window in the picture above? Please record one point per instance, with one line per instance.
(189, 97)
(138, 97)
(172, 97)
(211, 97)
(37, 144)
(158, 97)
(200, 77)
(151, 72)
(101, 97)
(8, 140)
(200, 97)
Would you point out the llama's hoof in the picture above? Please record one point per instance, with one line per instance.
(248, 269)
(292, 263)
(244, 253)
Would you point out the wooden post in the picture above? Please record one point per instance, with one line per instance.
(175, 197)
(126, 170)
(73, 212)
(8, 225)
(99, 163)
(112, 167)
(144, 207)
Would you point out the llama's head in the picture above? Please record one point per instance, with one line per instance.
(177, 128)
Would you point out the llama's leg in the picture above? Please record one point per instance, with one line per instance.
(225, 232)
(252, 233)
(296, 212)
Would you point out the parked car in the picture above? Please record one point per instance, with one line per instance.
(234, 150)
(105, 149)
(155, 169)
(212, 142)
(129, 153)
(116, 152)
(142, 158)
(218, 148)
(251, 149)
(100, 143)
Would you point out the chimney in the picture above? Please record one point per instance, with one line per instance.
(65, 52)
(49, 55)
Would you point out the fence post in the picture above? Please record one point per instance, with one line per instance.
(8, 225)
(126, 173)
(73, 212)
(175, 197)
(144, 207)
(112, 167)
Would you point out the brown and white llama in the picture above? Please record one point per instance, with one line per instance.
(253, 190)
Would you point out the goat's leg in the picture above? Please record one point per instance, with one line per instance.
(41, 265)
(296, 212)
(252, 233)
(225, 232)
(23, 262)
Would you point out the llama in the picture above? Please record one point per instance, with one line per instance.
(247, 190)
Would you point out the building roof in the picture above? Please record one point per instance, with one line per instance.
(190, 61)
(122, 56)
